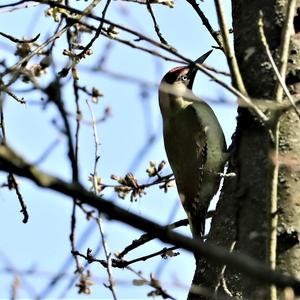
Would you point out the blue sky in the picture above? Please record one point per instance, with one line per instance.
(38, 249)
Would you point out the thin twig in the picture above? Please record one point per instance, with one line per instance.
(79, 268)
(24, 60)
(11, 180)
(144, 238)
(125, 264)
(99, 219)
(78, 118)
(97, 143)
(273, 211)
(230, 55)
(287, 30)
(164, 252)
(269, 54)
(221, 280)
(215, 34)
(16, 40)
(13, 4)
(17, 5)
(169, 3)
(60, 104)
(108, 258)
(75, 178)
(13, 95)
(73, 151)
(121, 263)
(156, 26)
(281, 86)
(132, 45)
(98, 31)
(101, 68)
(13, 184)
(2, 121)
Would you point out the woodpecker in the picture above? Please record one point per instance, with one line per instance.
(194, 143)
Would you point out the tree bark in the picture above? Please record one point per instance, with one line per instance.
(288, 251)
(242, 214)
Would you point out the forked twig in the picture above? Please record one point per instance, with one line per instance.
(285, 43)
(215, 34)
(156, 26)
(278, 75)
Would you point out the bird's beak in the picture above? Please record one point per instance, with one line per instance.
(193, 69)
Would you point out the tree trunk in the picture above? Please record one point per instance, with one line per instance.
(243, 213)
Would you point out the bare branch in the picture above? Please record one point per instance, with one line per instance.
(24, 60)
(17, 5)
(242, 97)
(16, 40)
(13, 95)
(145, 238)
(230, 55)
(222, 277)
(13, 4)
(285, 43)
(279, 77)
(156, 26)
(169, 3)
(12, 162)
(98, 32)
(108, 258)
(166, 48)
(13, 184)
(215, 34)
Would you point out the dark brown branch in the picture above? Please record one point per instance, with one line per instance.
(55, 95)
(13, 95)
(13, 4)
(166, 2)
(12, 184)
(163, 253)
(97, 34)
(15, 40)
(116, 263)
(145, 238)
(121, 263)
(145, 38)
(73, 149)
(131, 44)
(2, 121)
(156, 27)
(12, 162)
(215, 34)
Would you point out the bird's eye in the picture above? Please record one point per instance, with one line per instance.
(183, 77)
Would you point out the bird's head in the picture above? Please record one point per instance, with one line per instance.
(183, 77)
(175, 90)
